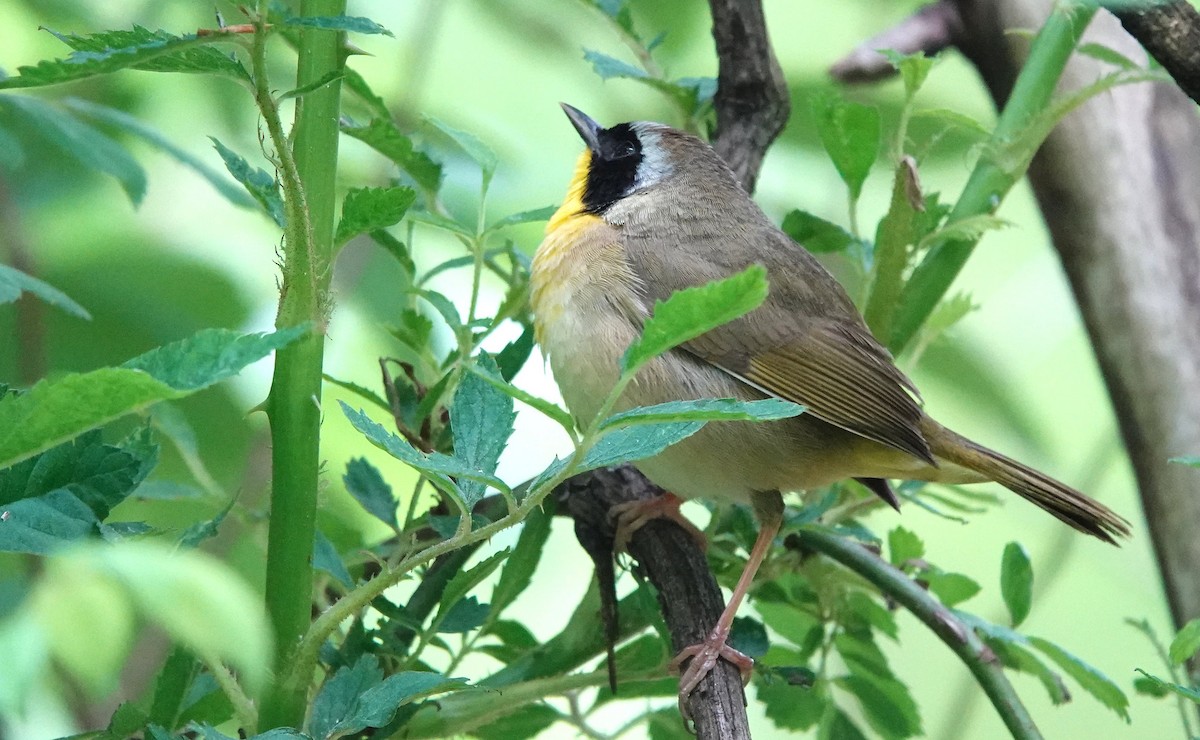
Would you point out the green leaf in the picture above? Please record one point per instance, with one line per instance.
(1016, 582)
(436, 466)
(511, 359)
(893, 239)
(326, 558)
(850, 133)
(13, 282)
(194, 598)
(1189, 460)
(47, 523)
(835, 725)
(258, 183)
(609, 68)
(59, 409)
(1108, 55)
(970, 228)
(518, 569)
(796, 626)
(1186, 643)
(539, 404)
(205, 529)
(481, 418)
(815, 234)
(524, 217)
(338, 697)
(371, 209)
(791, 707)
(481, 153)
(888, 706)
(347, 23)
(1153, 687)
(690, 312)
(1016, 657)
(749, 637)
(78, 140)
(954, 119)
(354, 82)
(527, 722)
(950, 588)
(398, 250)
(1165, 686)
(913, 68)
(383, 136)
(705, 409)
(903, 546)
(1091, 680)
(364, 482)
(873, 614)
(147, 133)
(465, 615)
(111, 51)
(463, 581)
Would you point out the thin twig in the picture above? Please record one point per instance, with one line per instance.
(931, 29)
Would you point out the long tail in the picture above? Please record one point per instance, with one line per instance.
(1065, 503)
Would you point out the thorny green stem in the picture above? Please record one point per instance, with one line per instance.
(307, 167)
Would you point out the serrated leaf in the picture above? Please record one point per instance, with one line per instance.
(970, 228)
(950, 588)
(481, 153)
(436, 466)
(518, 569)
(364, 482)
(851, 134)
(371, 209)
(464, 616)
(1016, 657)
(893, 238)
(79, 140)
(346, 23)
(47, 523)
(954, 119)
(13, 283)
(511, 359)
(1091, 680)
(56, 410)
(705, 409)
(790, 707)
(383, 136)
(261, 186)
(1165, 686)
(1186, 643)
(913, 68)
(872, 613)
(1108, 55)
(154, 137)
(326, 558)
(888, 706)
(482, 419)
(524, 217)
(903, 546)
(539, 404)
(690, 312)
(631, 444)
(205, 529)
(815, 233)
(794, 625)
(609, 67)
(835, 725)
(111, 51)
(1016, 582)
(338, 697)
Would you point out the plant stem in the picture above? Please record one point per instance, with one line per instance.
(958, 636)
(294, 405)
(995, 174)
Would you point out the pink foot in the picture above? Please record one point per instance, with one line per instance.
(633, 515)
(704, 657)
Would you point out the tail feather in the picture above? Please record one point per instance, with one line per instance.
(1065, 503)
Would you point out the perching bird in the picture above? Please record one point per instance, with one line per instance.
(652, 210)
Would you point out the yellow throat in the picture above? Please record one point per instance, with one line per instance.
(552, 268)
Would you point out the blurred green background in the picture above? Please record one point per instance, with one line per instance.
(1017, 374)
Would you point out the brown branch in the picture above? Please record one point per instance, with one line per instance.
(1171, 33)
(752, 99)
(669, 557)
(930, 30)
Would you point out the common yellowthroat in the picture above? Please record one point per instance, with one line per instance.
(652, 210)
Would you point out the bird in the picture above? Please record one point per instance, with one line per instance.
(651, 210)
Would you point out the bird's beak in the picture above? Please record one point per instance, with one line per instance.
(588, 129)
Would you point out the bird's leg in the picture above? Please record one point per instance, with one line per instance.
(632, 515)
(769, 509)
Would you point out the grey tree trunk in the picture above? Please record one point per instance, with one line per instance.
(1118, 183)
